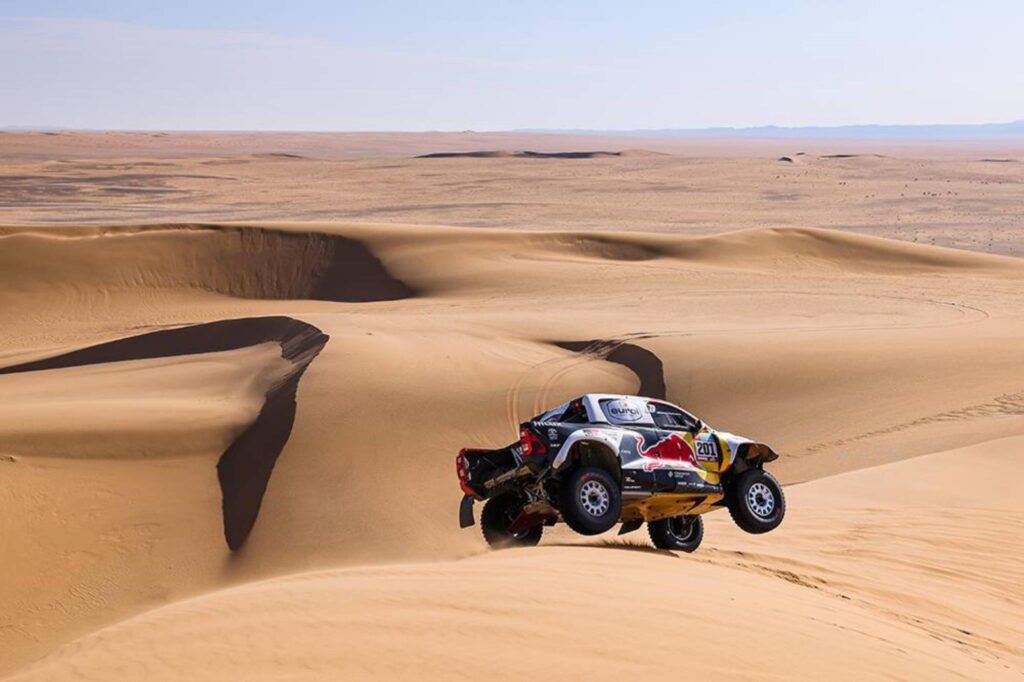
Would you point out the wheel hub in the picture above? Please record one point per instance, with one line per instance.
(761, 500)
(594, 498)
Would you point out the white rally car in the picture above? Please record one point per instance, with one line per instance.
(605, 459)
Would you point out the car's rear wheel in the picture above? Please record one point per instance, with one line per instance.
(681, 533)
(590, 501)
(496, 522)
(756, 502)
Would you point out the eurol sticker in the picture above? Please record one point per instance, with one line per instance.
(625, 410)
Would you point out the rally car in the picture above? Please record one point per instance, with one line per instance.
(605, 459)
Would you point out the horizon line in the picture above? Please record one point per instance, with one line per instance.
(998, 129)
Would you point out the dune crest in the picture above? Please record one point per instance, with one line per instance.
(245, 467)
(244, 262)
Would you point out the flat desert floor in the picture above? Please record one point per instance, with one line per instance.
(237, 368)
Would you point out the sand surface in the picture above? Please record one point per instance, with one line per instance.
(828, 598)
(299, 390)
(966, 195)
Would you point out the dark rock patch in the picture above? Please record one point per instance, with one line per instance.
(520, 155)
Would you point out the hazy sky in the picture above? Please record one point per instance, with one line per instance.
(392, 65)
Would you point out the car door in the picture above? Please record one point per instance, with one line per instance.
(682, 436)
(707, 450)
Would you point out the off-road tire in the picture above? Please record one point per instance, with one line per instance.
(679, 533)
(496, 518)
(756, 502)
(590, 500)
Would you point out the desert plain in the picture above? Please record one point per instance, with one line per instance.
(236, 370)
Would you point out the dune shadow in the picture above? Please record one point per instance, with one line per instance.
(355, 275)
(647, 366)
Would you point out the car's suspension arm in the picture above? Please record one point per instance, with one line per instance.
(504, 478)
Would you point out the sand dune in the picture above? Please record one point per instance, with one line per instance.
(826, 598)
(118, 399)
(98, 414)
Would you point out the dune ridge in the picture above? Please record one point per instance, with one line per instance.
(233, 260)
(355, 263)
(244, 469)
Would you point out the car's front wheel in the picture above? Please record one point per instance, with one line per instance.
(496, 521)
(756, 502)
(682, 533)
(590, 501)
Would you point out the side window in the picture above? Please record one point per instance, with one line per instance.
(626, 410)
(575, 413)
(672, 418)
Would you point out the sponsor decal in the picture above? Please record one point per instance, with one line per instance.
(669, 452)
(707, 450)
(623, 410)
(659, 464)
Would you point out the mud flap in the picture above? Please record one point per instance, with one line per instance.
(466, 512)
(630, 526)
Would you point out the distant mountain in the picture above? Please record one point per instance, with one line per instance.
(952, 131)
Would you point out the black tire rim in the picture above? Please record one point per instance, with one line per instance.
(682, 529)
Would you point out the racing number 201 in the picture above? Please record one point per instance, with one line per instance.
(706, 449)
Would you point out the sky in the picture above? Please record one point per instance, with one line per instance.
(472, 65)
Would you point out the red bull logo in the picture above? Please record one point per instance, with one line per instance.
(671, 448)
